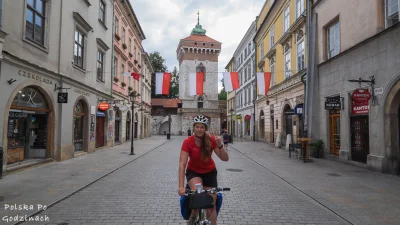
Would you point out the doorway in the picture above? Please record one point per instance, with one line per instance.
(128, 126)
(117, 126)
(100, 123)
(272, 127)
(80, 126)
(334, 132)
(136, 125)
(359, 138)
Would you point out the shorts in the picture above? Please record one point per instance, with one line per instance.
(226, 142)
(209, 179)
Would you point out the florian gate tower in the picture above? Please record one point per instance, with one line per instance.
(199, 53)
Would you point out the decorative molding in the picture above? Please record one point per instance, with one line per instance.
(299, 21)
(271, 52)
(102, 44)
(82, 22)
(87, 2)
(287, 83)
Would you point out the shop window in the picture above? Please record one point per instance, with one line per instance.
(29, 97)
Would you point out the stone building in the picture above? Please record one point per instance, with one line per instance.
(199, 53)
(358, 44)
(230, 107)
(55, 69)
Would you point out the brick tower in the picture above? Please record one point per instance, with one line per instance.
(199, 53)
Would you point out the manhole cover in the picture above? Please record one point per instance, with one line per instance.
(234, 170)
(2, 198)
(333, 174)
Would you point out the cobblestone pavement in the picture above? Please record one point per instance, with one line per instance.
(145, 192)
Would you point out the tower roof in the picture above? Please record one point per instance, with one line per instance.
(198, 29)
(200, 38)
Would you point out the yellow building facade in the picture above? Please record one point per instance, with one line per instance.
(230, 103)
(281, 49)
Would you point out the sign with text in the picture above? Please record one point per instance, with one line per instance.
(361, 95)
(332, 103)
(298, 110)
(360, 108)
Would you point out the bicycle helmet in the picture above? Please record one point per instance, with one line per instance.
(200, 119)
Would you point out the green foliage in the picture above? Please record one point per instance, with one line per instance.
(222, 95)
(174, 85)
(158, 64)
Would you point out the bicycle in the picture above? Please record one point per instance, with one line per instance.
(201, 200)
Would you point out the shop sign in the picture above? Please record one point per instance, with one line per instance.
(359, 108)
(91, 127)
(34, 76)
(247, 117)
(81, 92)
(332, 103)
(361, 95)
(298, 110)
(62, 98)
(239, 117)
(17, 114)
(103, 106)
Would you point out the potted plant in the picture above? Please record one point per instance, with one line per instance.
(117, 37)
(116, 79)
(139, 66)
(135, 61)
(317, 147)
(130, 55)
(130, 88)
(123, 84)
(124, 46)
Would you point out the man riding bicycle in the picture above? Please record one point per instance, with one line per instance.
(201, 167)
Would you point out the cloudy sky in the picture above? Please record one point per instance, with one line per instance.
(165, 22)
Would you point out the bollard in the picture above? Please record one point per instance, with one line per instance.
(1, 162)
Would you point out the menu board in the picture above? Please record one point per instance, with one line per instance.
(12, 125)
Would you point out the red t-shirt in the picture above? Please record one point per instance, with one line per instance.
(195, 162)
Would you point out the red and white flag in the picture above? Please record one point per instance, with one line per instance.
(231, 81)
(163, 81)
(263, 82)
(135, 76)
(196, 83)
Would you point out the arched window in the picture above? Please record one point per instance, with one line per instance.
(200, 102)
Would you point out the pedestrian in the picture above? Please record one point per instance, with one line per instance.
(189, 132)
(196, 154)
(225, 137)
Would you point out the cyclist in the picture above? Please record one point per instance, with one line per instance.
(201, 167)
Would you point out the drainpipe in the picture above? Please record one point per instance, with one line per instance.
(59, 122)
(112, 45)
(1, 14)
(308, 77)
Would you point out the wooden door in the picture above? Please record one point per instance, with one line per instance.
(359, 138)
(334, 127)
(99, 132)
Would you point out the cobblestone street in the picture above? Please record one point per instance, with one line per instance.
(144, 191)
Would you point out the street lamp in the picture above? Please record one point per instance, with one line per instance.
(231, 111)
(133, 95)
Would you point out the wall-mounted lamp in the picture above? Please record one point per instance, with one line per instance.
(10, 81)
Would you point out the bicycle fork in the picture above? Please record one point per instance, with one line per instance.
(203, 218)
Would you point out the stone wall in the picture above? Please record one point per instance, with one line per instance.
(159, 124)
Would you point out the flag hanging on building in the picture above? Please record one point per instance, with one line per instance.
(263, 82)
(196, 83)
(231, 81)
(135, 76)
(163, 81)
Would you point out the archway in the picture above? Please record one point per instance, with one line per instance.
(29, 126)
(262, 124)
(136, 125)
(287, 122)
(80, 126)
(117, 126)
(128, 125)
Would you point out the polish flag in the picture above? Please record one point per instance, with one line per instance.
(231, 81)
(162, 83)
(263, 82)
(196, 83)
(135, 76)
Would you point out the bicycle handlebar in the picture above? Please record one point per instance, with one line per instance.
(211, 190)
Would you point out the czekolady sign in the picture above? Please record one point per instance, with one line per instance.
(361, 95)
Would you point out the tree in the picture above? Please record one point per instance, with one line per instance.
(158, 64)
(222, 95)
(174, 85)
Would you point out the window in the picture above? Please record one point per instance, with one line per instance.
(35, 18)
(299, 8)
(249, 71)
(245, 96)
(100, 66)
(249, 48)
(261, 50)
(116, 28)
(78, 49)
(102, 12)
(134, 52)
(122, 68)
(200, 102)
(130, 45)
(272, 36)
(286, 19)
(272, 69)
(245, 74)
(333, 40)
(245, 53)
(300, 55)
(249, 95)
(392, 12)
(115, 66)
(288, 71)
(123, 35)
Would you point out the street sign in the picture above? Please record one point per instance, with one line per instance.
(332, 103)
(298, 110)
(62, 97)
(361, 95)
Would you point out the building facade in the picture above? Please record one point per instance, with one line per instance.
(128, 37)
(350, 45)
(230, 103)
(245, 65)
(280, 49)
(55, 66)
(199, 53)
(147, 71)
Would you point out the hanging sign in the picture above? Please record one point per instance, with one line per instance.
(62, 97)
(359, 108)
(103, 106)
(361, 95)
(247, 117)
(298, 110)
(332, 103)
